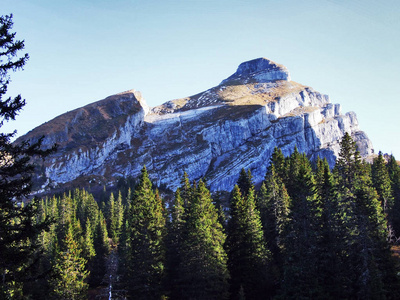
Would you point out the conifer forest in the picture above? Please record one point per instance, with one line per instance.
(308, 232)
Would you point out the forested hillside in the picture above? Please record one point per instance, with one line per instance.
(308, 233)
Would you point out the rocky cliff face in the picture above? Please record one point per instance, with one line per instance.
(213, 134)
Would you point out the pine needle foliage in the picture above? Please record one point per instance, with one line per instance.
(203, 272)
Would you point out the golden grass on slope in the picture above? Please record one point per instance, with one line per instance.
(257, 94)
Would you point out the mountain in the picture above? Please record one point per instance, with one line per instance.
(213, 134)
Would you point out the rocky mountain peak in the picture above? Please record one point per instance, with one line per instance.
(213, 134)
(258, 70)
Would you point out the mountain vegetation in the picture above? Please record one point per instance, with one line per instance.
(308, 232)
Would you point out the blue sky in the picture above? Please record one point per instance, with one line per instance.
(82, 51)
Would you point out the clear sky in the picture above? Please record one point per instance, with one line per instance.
(82, 51)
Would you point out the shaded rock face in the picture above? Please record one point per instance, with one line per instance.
(213, 134)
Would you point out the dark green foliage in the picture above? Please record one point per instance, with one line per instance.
(394, 175)
(18, 231)
(176, 231)
(278, 160)
(382, 184)
(302, 234)
(331, 232)
(69, 270)
(144, 256)
(115, 214)
(202, 270)
(78, 224)
(369, 270)
(245, 182)
(273, 203)
(248, 256)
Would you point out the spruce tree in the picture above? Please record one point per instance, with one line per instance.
(248, 256)
(88, 245)
(111, 218)
(176, 231)
(69, 271)
(145, 256)
(18, 230)
(330, 234)
(279, 161)
(203, 272)
(102, 248)
(382, 185)
(273, 203)
(186, 190)
(301, 236)
(370, 268)
(245, 181)
(394, 175)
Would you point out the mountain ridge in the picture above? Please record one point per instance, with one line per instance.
(212, 134)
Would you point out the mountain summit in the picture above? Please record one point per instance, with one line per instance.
(213, 134)
(258, 70)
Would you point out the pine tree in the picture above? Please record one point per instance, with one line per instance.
(245, 181)
(102, 248)
(273, 203)
(203, 271)
(247, 253)
(145, 257)
(18, 229)
(186, 190)
(176, 231)
(382, 184)
(369, 266)
(394, 175)
(88, 250)
(70, 274)
(112, 219)
(331, 232)
(119, 216)
(278, 160)
(217, 201)
(301, 238)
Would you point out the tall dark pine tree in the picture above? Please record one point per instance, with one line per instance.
(273, 203)
(279, 161)
(17, 230)
(248, 256)
(330, 234)
(186, 190)
(370, 269)
(69, 271)
(202, 270)
(394, 175)
(301, 236)
(382, 184)
(176, 228)
(145, 254)
(245, 181)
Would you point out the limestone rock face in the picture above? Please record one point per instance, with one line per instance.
(213, 134)
(258, 70)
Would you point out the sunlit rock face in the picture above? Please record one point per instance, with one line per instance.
(213, 134)
(258, 70)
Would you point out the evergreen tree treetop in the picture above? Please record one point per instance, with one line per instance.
(17, 227)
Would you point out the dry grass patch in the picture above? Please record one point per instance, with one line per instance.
(258, 94)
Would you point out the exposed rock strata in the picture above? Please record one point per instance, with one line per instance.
(213, 134)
